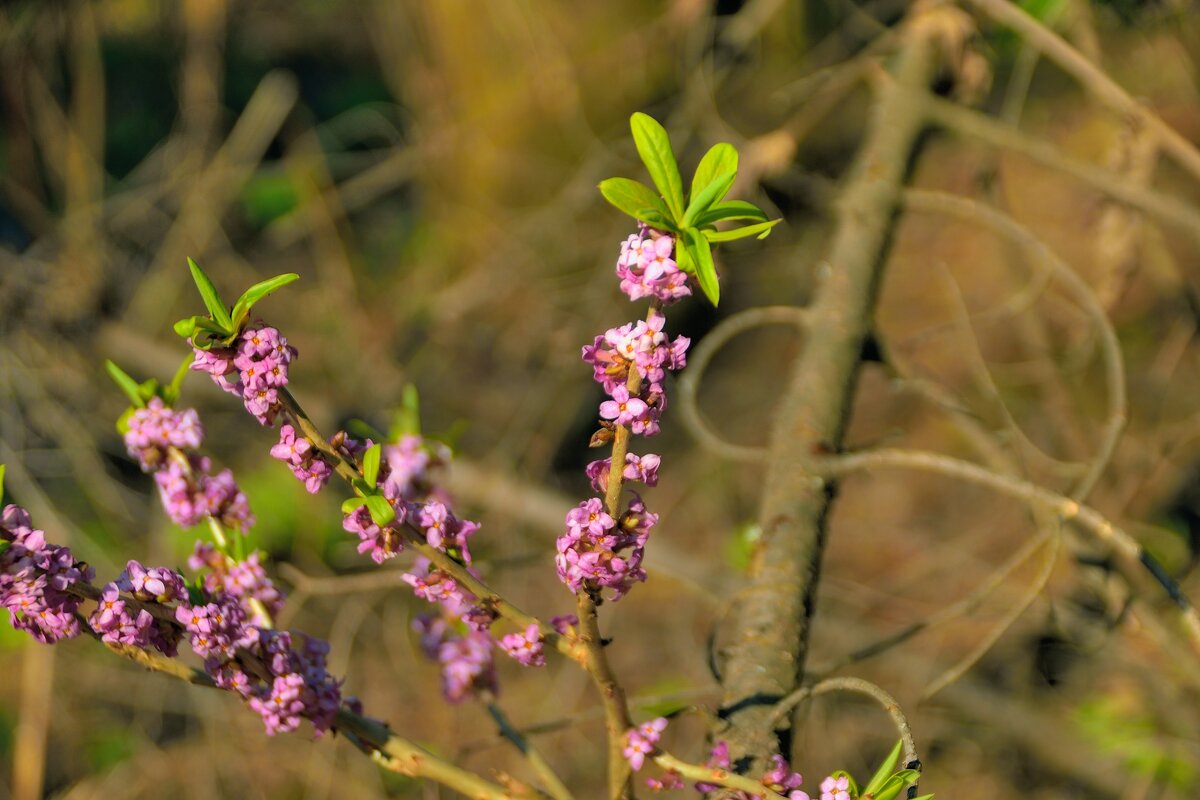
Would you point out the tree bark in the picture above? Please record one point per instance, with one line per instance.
(769, 629)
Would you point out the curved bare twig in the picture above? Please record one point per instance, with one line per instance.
(698, 362)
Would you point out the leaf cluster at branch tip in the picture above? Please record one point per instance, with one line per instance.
(692, 218)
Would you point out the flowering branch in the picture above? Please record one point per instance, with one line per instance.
(714, 776)
(416, 539)
(389, 750)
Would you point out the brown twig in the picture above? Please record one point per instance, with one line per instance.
(966, 122)
(962, 607)
(1132, 560)
(551, 783)
(1009, 619)
(702, 355)
(858, 686)
(713, 775)
(1094, 79)
(1114, 369)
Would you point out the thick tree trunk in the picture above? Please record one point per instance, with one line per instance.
(768, 635)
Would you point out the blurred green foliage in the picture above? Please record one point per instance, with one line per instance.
(1132, 735)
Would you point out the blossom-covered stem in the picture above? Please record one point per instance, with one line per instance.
(265, 620)
(344, 468)
(551, 783)
(713, 775)
(219, 535)
(616, 712)
(88, 591)
(371, 735)
(417, 540)
(616, 470)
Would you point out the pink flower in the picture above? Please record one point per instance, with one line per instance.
(622, 408)
(642, 741)
(835, 788)
(525, 647)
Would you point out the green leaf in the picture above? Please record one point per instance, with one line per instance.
(171, 392)
(239, 545)
(196, 594)
(128, 385)
(361, 486)
(361, 429)
(123, 420)
(713, 192)
(720, 159)
(351, 503)
(4, 545)
(381, 510)
(635, 199)
(841, 773)
(654, 147)
(187, 329)
(406, 420)
(371, 465)
(885, 769)
(212, 300)
(241, 309)
(1044, 11)
(699, 257)
(660, 221)
(148, 388)
(731, 209)
(761, 229)
(894, 785)
(2, 468)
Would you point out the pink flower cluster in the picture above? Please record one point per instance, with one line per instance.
(643, 469)
(835, 788)
(290, 681)
(161, 438)
(644, 347)
(114, 620)
(281, 676)
(598, 552)
(155, 429)
(412, 463)
(286, 684)
(246, 580)
(465, 658)
(646, 267)
(642, 741)
(255, 368)
(36, 578)
(779, 778)
(404, 480)
(526, 646)
(190, 493)
(305, 461)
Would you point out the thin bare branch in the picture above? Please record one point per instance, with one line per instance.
(699, 360)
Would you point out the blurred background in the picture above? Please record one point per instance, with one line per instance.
(429, 169)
